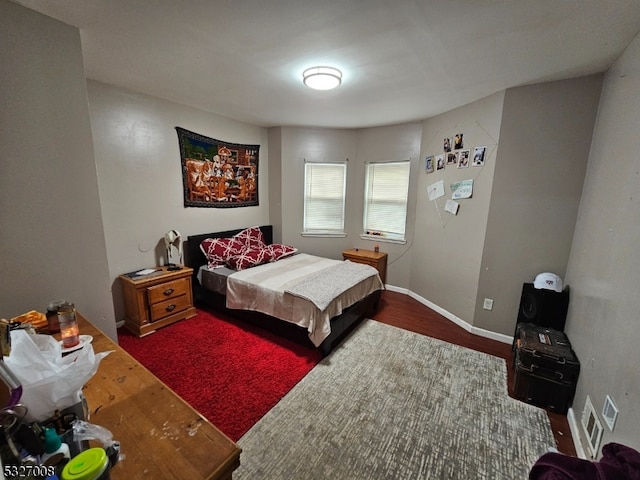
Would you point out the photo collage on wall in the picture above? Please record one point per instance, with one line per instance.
(455, 155)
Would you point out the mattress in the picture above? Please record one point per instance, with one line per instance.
(266, 289)
(215, 279)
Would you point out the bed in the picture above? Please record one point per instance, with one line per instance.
(312, 300)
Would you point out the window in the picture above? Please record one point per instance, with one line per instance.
(385, 199)
(324, 193)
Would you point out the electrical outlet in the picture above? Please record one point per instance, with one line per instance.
(488, 304)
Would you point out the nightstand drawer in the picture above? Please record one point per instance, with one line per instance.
(168, 307)
(168, 290)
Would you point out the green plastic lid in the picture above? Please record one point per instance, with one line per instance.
(87, 465)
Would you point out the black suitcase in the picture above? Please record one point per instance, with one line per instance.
(546, 367)
(546, 351)
(549, 393)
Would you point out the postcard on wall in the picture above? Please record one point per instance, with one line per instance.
(478, 156)
(463, 189)
(428, 164)
(446, 144)
(440, 162)
(452, 158)
(451, 206)
(457, 141)
(436, 190)
(463, 158)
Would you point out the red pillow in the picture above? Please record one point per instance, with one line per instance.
(250, 257)
(251, 237)
(279, 251)
(218, 250)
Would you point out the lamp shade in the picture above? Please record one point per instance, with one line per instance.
(322, 78)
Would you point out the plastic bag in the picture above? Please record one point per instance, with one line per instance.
(49, 381)
(85, 431)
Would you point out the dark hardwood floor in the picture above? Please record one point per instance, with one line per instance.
(405, 312)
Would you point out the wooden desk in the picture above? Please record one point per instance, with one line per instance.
(161, 436)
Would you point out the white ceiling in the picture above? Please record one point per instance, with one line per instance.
(402, 60)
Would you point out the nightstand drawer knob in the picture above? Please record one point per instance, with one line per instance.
(168, 291)
(170, 308)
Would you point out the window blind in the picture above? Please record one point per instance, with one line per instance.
(387, 188)
(324, 197)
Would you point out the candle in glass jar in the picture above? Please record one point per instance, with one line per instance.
(70, 336)
(69, 331)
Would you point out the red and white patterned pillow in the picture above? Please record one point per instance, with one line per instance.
(219, 250)
(251, 237)
(279, 251)
(249, 257)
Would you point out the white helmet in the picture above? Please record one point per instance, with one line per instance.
(548, 281)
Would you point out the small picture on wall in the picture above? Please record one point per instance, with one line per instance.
(478, 156)
(463, 158)
(452, 158)
(457, 141)
(440, 162)
(447, 144)
(428, 164)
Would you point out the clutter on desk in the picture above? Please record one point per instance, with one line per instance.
(50, 380)
(58, 448)
(44, 432)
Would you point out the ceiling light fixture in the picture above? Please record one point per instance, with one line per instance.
(322, 78)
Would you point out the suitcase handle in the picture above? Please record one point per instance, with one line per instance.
(559, 360)
(534, 367)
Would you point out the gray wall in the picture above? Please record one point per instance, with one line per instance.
(446, 258)
(52, 238)
(275, 182)
(140, 177)
(520, 219)
(545, 136)
(604, 265)
(394, 142)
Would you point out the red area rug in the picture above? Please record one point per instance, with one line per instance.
(231, 372)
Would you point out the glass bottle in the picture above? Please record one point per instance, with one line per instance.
(52, 315)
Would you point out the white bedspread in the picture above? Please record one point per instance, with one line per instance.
(264, 289)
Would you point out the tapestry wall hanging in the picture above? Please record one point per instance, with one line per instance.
(217, 174)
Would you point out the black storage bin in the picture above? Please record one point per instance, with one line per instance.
(546, 367)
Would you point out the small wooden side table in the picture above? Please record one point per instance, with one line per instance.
(377, 260)
(157, 300)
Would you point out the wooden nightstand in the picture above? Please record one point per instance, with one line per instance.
(157, 300)
(377, 260)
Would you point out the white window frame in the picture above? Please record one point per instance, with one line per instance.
(376, 189)
(319, 190)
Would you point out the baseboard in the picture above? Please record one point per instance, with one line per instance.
(393, 288)
(455, 319)
(574, 426)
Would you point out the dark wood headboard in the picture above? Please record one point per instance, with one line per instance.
(194, 257)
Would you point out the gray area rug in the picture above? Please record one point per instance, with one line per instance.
(392, 404)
